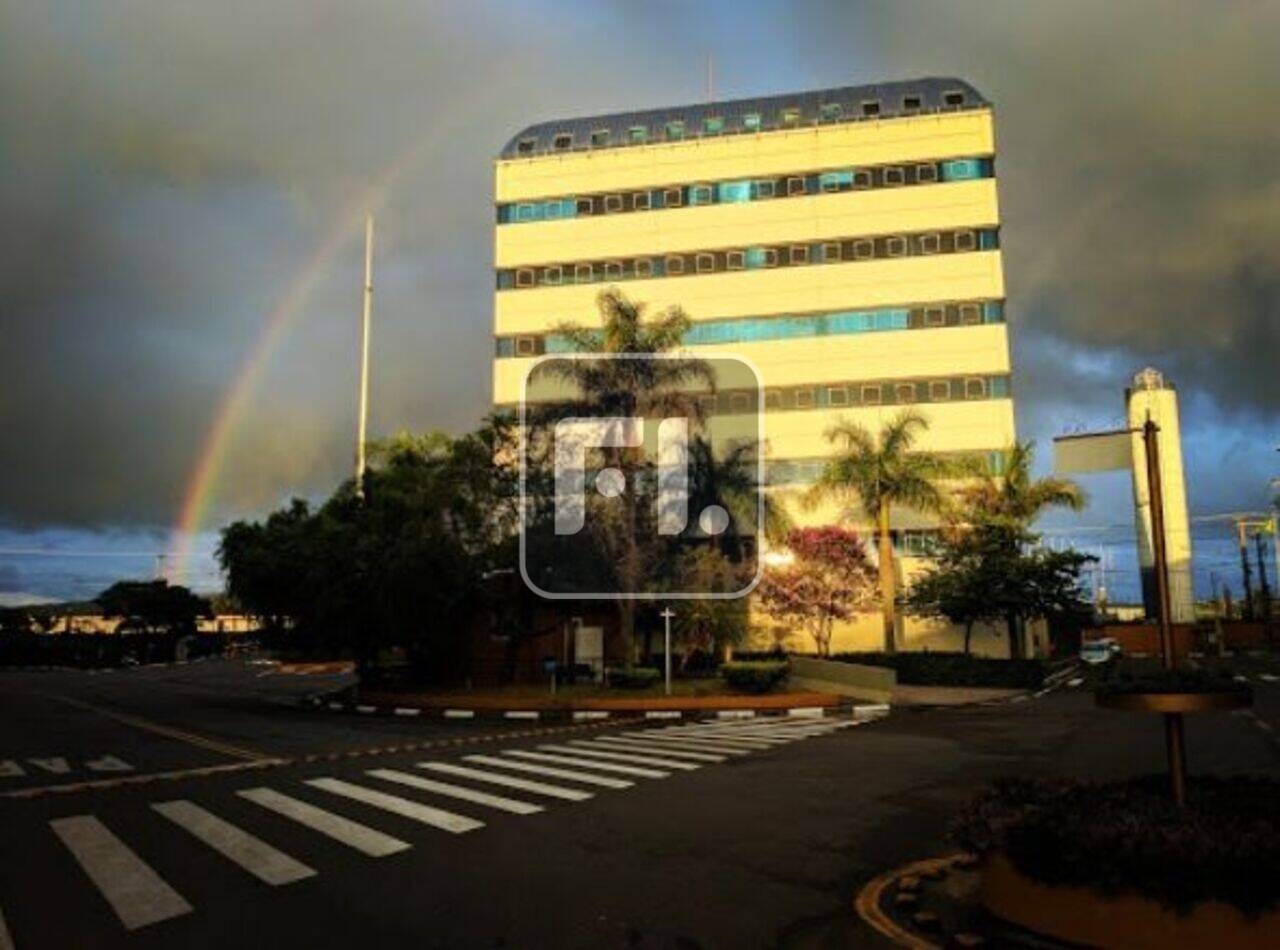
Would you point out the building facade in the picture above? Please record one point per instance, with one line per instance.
(846, 241)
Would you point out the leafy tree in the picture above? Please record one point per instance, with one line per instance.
(15, 620)
(708, 625)
(153, 606)
(957, 587)
(875, 473)
(829, 580)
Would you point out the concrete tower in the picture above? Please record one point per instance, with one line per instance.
(1151, 396)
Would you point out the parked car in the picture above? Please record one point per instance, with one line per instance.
(1100, 651)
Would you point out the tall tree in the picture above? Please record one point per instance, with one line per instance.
(647, 383)
(874, 473)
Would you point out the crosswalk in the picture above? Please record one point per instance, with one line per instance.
(455, 797)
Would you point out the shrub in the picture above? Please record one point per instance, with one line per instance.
(1130, 837)
(755, 677)
(634, 677)
(953, 669)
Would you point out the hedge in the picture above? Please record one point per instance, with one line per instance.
(755, 676)
(1150, 678)
(1130, 837)
(928, 668)
(634, 677)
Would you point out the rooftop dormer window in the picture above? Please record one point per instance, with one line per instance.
(790, 118)
(713, 125)
(751, 122)
(830, 112)
(910, 104)
(599, 138)
(675, 130)
(637, 134)
(871, 108)
(526, 146)
(562, 142)
(953, 99)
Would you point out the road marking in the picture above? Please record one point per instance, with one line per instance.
(590, 714)
(586, 763)
(251, 853)
(11, 769)
(136, 893)
(698, 745)
(1269, 677)
(459, 714)
(366, 709)
(521, 714)
(761, 735)
(337, 707)
(622, 745)
(1075, 681)
(348, 832)
(735, 714)
(742, 742)
(6, 938)
(617, 756)
(601, 780)
(512, 805)
(408, 711)
(435, 817)
(108, 763)
(57, 765)
(510, 781)
(807, 712)
(662, 714)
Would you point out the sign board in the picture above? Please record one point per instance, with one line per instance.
(1093, 452)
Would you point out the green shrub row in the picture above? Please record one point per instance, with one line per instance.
(634, 677)
(1153, 678)
(755, 676)
(927, 668)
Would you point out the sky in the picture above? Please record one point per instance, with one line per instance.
(172, 173)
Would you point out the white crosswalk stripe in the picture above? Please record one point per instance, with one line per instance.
(740, 742)
(348, 832)
(676, 742)
(416, 811)
(137, 894)
(618, 745)
(601, 780)
(509, 781)
(512, 805)
(616, 756)
(251, 853)
(586, 763)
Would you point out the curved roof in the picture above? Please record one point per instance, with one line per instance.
(820, 106)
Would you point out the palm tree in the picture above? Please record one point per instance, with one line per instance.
(630, 388)
(727, 478)
(875, 473)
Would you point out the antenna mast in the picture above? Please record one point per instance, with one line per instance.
(364, 355)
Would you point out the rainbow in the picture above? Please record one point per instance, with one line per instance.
(200, 491)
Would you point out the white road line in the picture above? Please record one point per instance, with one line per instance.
(1268, 677)
(6, 938)
(616, 756)
(407, 711)
(601, 780)
(590, 714)
(512, 805)
(807, 712)
(662, 714)
(521, 714)
(251, 853)
(137, 894)
(752, 741)
(622, 746)
(735, 714)
(585, 763)
(510, 781)
(700, 745)
(344, 830)
(459, 714)
(367, 710)
(435, 817)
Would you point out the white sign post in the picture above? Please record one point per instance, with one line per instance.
(666, 615)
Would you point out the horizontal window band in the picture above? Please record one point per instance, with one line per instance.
(776, 327)
(805, 471)
(740, 190)
(836, 250)
(849, 394)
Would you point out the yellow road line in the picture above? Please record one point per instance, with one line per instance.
(868, 903)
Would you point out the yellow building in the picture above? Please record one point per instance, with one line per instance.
(846, 241)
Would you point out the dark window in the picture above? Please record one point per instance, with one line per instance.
(585, 206)
(966, 241)
(701, 195)
(970, 313)
(582, 273)
(739, 403)
(871, 107)
(804, 398)
(599, 137)
(838, 396)
(735, 260)
(800, 254)
(613, 270)
(953, 98)
(640, 201)
(831, 252)
(940, 390)
(904, 393)
(644, 267)
(910, 103)
(871, 395)
(674, 266)
(673, 198)
(526, 146)
(552, 275)
(935, 316)
(863, 249)
(926, 173)
(894, 175)
(526, 346)
(895, 247)
(563, 141)
(772, 399)
(930, 243)
(975, 388)
(706, 263)
(862, 178)
(524, 277)
(830, 112)
(795, 186)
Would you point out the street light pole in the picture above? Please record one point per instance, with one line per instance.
(366, 317)
(666, 615)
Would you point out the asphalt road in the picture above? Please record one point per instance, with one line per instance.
(765, 844)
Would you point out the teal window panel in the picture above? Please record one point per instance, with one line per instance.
(993, 312)
(701, 195)
(506, 347)
(988, 239)
(504, 214)
(505, 280)
(963, 169)
(754, 257)
(713, 124)
(999, 387)
(734, 191)
(834, 181)
(751, 122)
(526, 212)
(675, 130)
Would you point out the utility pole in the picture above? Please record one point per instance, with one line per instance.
(364, 355)
(1264, 591)
(1244, 567)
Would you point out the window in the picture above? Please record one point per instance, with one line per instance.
(673, 198)
(871, 395)
(613, 270)
(966, 241)
(524, 277)
(926, 173)
(706, 263)
(935, 316)
(789, 118)
(707, 404)
(894, 175)
(735, 260)
(940, 390)
(765, 189)
(701, 195)
(953, 99)
(910, 104)
(831, 252)
(525, 212)
(526, 346)
(772, 399)
(585, 206)
(930, 243)
(640, 201)
(637, 134)
(562, 142)
(970, 313)
(800, 254)
(582, 273)
(552, 275)
(526, 146)
(904, 393)
(739, 403)
(644, 267)
(674, 266)
(506, 347)
(713, 125)
(830, 112)
(612, 203)
(795, 186)
(838, 396)
(895, 246)
(804, 398)
(733, 192)
(761, 257)
(871, 108)
(675, 130)
(751, 121)
(975, 387)
(862, 178)
(599, 138)
(864, 249)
